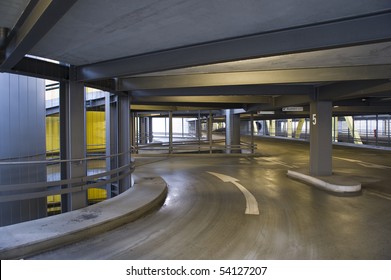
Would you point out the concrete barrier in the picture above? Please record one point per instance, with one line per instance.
(33, 237)
(333, 183)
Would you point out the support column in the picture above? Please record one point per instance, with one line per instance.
(353, 131)
(299, 128)
(150, 130)
(335, 129)
(199, 129)
(124, 139)
(271, 127)
(111, 116)
(143, 130)
(170, 131)
(210, 129)
(289, 127)
(232, 132)
(252, 132)
(133, 130)
(73, 141)
(320, 138)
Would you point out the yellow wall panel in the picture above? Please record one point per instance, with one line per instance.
(53, 134)
(95, 132)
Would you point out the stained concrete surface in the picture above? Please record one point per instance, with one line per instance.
(203, 217)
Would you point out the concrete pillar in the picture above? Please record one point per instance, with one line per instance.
(289, 127)
(111, 115)
(199, 129)
(252, 132)
(124, 139)
(210, 129)
(271, 127)
(335, 129)
(133, 130)
(320, 138)
(73, 141)
(355, 134)
(299, 128)
(232, 131)
(22, 138)
(150, 130)
(143, 130)
(170, 133)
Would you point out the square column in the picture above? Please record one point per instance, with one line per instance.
(210, 130)
(170, 132)
(73, 141)
(150, 130)
(289, 127)
(111, 118)
(124, 139)
(143, 129)
(232, 132)
(321, 138)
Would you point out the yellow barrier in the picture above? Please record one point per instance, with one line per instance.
(95, 132)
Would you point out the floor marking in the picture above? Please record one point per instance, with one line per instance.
(365, 164)
(251, 202)
(385, 196)
(275, 161)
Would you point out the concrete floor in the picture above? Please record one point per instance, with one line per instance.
(204, 217)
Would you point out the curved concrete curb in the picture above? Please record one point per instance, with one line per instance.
(332, 183)
(32, 237)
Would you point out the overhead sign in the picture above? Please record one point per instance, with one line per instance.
(265, 112)
(292, 109)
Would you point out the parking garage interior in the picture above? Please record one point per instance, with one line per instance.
(262, 130)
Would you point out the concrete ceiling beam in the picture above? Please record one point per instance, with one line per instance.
(365, 29)
(40, 19)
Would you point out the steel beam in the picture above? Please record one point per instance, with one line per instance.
(204, 99)
(228, 90)
(353, 89)
(358, 110)
(284, 101)
(40, 20)
(41, 69)
(288, 76)
(359, 30)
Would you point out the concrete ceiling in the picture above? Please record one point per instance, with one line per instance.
(279, 52)
(11, 12)
(99, 30)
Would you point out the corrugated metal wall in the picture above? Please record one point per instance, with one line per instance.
(22, 138)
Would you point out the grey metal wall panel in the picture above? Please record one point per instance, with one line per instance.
(22, 137)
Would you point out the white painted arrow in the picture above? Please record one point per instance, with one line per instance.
(251, 202)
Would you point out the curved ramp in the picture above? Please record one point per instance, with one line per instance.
(32, 237)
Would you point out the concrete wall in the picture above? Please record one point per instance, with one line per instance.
(22, 138)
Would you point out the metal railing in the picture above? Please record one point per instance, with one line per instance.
(193, 147)
(25, 191)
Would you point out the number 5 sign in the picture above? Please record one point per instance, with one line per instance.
(314, 119)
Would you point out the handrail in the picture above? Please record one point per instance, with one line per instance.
(3, 162)
(24, 196)
(24, 191)
(81, 180)
(196, 145)
(32, 186)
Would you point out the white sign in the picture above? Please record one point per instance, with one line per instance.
(292, 109)
(265, 112)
